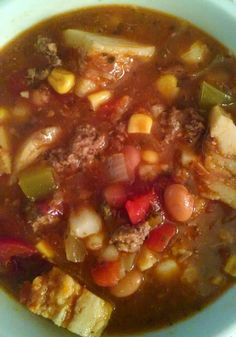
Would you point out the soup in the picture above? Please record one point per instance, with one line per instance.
(117, 162)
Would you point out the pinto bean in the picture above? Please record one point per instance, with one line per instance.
(128, 285)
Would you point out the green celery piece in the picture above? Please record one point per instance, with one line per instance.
(37, 182)
(210, 96)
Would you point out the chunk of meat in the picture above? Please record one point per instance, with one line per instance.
(118, 135)
(194, 127)
(83, 149)
(130, 239)
(186, 124)
(58, 297)
(50, 213)
(48, 48)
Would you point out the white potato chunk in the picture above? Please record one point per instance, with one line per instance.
(67, 304)
(84, 221)
(196, 54)
(223, 129)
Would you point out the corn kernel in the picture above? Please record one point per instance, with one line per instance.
(167, 85)
(230, 267)
(45, 249)
(99, 98)
(149, 156)
(140, 123)
(61, 80)
(4, 115)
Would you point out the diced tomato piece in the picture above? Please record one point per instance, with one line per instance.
(115, 195)
(160, 237)
(139, 207)
(107, 274)
(13, 247)
(132, 158)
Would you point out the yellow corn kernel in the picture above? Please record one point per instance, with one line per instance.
(4, 115)
(230, 267)
(99, 98)
(140, 123)
(45, 249)
(61, 80)
(167, 85)
(149, 156)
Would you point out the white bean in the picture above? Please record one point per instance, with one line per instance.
(128, 285)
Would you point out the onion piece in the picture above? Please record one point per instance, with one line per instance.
(39, 142)
(84, 222)
(75, 249)
(117, 168)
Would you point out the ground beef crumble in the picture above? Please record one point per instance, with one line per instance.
(187, 124)
(83, 149)
(130, 239)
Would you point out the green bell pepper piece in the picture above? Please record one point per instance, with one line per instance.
(210, 96)
(37, 182)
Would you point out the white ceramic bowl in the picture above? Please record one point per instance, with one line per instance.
(217, 17)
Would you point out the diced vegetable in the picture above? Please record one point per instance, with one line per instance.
(222, 192)
(10, 247)
(96, 43)
(5, 148)
(115, 195)
(167, 270)
(39, 142)
(230, 267)
(95, 241)
(91, 316)
(223, 129)
(127, 262)
(117, 168)
(146, 259)
(210, 96)
(196, 54)
(140, 123)
(160, 237)
(106, 274)
(167, 85)
(150, 157)
(187, 157)
(109, 253)
(45, 249)
(68, 304)
(128, 285)
(99, 98)
(139, 207)
(5, 115)
(84, 86)
(178, 202)
(75, 249)
(132, 158)
(61, 80)
(84, 221)
(37, 182)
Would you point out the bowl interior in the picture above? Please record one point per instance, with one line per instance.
(217, 18)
